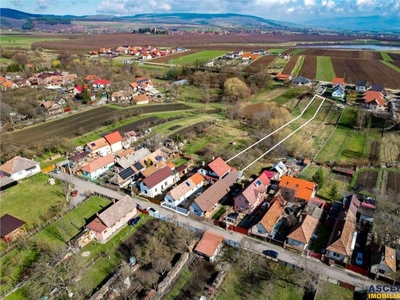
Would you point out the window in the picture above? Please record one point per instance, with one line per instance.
(105, 231)
(296, 243)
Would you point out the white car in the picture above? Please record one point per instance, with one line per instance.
(152, 210)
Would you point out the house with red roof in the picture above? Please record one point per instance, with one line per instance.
(19, 168)
(215, 169)
(209, 245)
(300, 236)
(114, 139)
(253, 195)
(283, 77)
(51, 108)
(97, 167)
(79, 88)
(141, 99)
(184, 190)
(114, 218)
(295, 189)
(99, 146)
(100, 84)
(159, 181)
(374, 100)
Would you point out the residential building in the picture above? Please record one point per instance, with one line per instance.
(51, 108)
(301, 81)
(383, 261)
(19, 168)
(114, 139)
(267, 225)
(374, 100)
(295, 189)
(185, 189)
(362, 85)
(98, 167)
(215, 193)
(301, 234)
(113, 219)
(158, 182)
(99, 146)
(253, 195)
(216, 169)
(141, 99)
(10, 227)
(338, 80)
(338, 91)
(209, 245)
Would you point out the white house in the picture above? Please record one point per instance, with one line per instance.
(338, 91)
(19, 168)
(113, 219)
(184, 190)
(217, 168)
(383, 261)
(98, 167)
(114, 140)
(361, 85)
(158, 182)
(99, 146)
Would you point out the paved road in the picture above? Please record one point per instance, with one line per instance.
(255, 245)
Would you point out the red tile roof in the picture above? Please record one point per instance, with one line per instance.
(272, 216)
(338, 80)
(101, 81)
(113, 138)
(157, 177)
(342, 235)
(303, 189)
(98, 163)
(97, 144)
(256, 187)
(302, 232)
(219, 166)
(209, 243)
(374, 96)
(17, 164)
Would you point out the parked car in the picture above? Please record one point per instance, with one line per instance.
(134, 221)
(56, 171)
(270, 253)
(150, 209)
(359, 259)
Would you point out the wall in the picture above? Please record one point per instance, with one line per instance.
(26, 173)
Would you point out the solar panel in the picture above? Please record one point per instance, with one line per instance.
(138, 166)
(124, 174)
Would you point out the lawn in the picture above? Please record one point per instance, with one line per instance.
(183, 279)
(325, 70)
(61, 231)
(201, 57)
(31, 198)
(386, 56)
(327, 291)
(297, 67)
(24, 41)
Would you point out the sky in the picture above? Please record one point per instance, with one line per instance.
(285, 10)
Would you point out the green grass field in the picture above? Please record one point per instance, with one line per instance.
(277, 50)
(201, 57)
(328, 291)
(31, 198)
(325, 70)
(288, 95)
(24, 42)
(396, 68)
(183, 279)
(386, 56)
(297, 67)
(297, 51)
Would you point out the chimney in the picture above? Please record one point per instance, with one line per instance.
(203, 163)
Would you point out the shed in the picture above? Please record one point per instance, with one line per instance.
(209, 245)
(10, 226)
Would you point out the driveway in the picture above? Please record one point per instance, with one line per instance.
(253, 244)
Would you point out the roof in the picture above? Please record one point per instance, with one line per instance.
(114, 213)
(79, 88)
(377, 88)
(79, 156)
(209, 243)
(186, 186)
(8, 84)
(342, 234)
(219, 166)
(97, 144)
(303, 188)
(374, 96)
(8, 224)
(181, 168)
(216, 192)
(256, 187)
(101, 81)
(113, 138)
(303, 231)
(157, 177)
(98, 163)
(125, 153)
(338, 80)
(338, 87)
(17, 164)
(390, 258)
(361, 82)
(140, 98)
(302, 79)
(272, 216)
(282, 76)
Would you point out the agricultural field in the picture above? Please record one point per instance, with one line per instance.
(261, 64)
(191, 58)
(385, 56)
(366, 180)
(290, 65)
(340, 53)
(373, 71)
(177, 56)
(395, 65)
(309, 67)
(324, 69)
(297, 51)
(394, 56)
(81, 123)
(24, 41)
(394, 181)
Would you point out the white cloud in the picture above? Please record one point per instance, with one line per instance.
(310, 2)
(328, 4)
(42, 4)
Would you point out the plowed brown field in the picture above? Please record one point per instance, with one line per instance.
(340, 53)
(309, 68)
(395, 56)
(290, 65)
(260, 64)
(394, 182)
(377, 55)
(372, 70)
(395, 63)
(367, 180)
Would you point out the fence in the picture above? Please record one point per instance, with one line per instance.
(357, 269)
(179, 210)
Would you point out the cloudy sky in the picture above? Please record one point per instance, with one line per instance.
(287, 10)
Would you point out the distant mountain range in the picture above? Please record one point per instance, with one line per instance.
(15, 19)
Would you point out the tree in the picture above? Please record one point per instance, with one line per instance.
(334, 193)
(235, 89)
(85, 95)
(319, 178)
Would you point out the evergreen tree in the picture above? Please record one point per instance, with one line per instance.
(85, 95)
(333, 193)
(319, 178)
